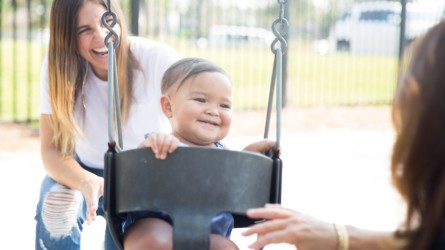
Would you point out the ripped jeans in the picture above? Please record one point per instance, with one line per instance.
(60, 214)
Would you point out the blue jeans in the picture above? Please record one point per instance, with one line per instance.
(60, 214)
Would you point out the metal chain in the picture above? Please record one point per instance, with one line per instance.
(109, 27)
(280, 27)
(113, 89)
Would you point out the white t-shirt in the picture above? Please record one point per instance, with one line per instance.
(145, 114)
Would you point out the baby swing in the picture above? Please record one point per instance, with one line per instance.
(193, 184)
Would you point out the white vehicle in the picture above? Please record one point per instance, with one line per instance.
(222, 35)
(374, 27)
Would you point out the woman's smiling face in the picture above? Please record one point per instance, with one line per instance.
(91, 34)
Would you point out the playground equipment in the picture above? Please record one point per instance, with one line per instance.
(194, 183)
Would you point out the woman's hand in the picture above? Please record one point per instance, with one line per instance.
(92, 189)
(161, 144)
(284, 225)
(67, 171)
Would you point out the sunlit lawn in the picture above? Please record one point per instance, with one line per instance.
(312, 79)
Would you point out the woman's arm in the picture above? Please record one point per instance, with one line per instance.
(284, 225)
(360, 239)
(67, 171)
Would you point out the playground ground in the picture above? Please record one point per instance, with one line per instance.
(336, 168)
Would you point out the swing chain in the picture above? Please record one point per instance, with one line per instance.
(280, 27)
(109, 26)
(113, 89)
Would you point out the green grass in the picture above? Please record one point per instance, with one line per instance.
(341, 79)
(19, 80)
(313, 79)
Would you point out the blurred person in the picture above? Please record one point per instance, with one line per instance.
(417, 167)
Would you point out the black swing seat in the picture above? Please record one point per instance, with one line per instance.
(193, 184)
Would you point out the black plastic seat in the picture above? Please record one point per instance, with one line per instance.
(193, 184)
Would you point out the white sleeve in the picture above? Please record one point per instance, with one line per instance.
(168, 57)
(154, 56)
(45, 103)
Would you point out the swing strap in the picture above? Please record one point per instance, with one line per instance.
(278, 47)
(114, 110)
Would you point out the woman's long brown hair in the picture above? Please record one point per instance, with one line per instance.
(418, 160)
(67, 70)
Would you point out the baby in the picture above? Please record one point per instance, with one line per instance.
(197, 100)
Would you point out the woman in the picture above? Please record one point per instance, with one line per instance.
(73, 127)
(418, 169)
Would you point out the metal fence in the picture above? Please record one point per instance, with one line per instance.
(341, 52)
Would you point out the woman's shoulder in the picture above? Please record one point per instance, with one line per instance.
(153, 54)
(141, 45)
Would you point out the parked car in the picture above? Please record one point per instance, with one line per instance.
(374, 27)
(223, 35)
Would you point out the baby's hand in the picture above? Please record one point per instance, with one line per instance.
(161, 144)
(261, 146)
